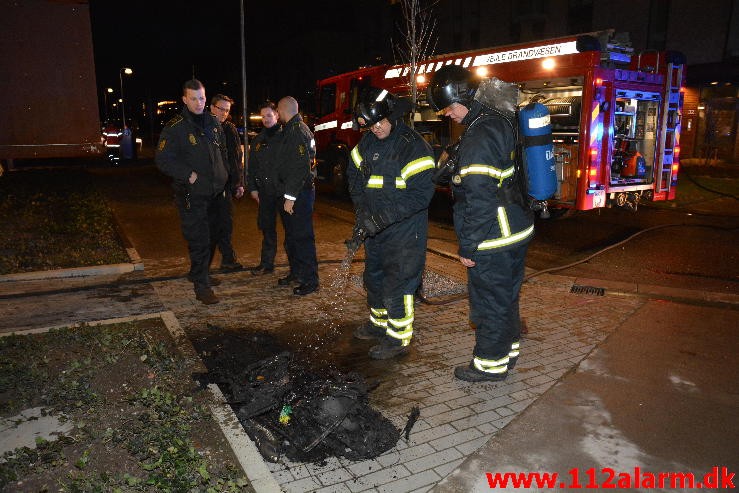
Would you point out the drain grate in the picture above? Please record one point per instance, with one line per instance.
(576, 289)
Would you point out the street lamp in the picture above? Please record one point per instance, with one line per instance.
(107, 91)
(127, 71)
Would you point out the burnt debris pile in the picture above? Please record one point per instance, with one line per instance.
(289, 410)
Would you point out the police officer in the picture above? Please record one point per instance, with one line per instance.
(492, 222)
(220, 106)
(262, 186)
(390, 185)
(191, 151)
(295, 152)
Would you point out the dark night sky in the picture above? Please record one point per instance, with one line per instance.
(290, 44)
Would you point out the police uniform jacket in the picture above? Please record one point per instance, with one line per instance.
(397, 181)
(235, 155)
(184, 147)
(262, 173)
(484, 220)
(294, 155)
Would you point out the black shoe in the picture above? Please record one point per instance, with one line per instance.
(231, 267)
(368, 331)
(471, 374)
(287, 280)
(211, 280)
(260, 270)
(512, 363)
(206, 296)
(304, 289)
(386, 351)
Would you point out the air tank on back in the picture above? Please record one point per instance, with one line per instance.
(536, 130)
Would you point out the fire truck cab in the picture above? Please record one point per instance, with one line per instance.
(615, 114)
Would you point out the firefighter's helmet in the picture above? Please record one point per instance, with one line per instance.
(451, 84)
(374, 105)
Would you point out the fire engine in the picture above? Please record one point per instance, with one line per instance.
(615, 114)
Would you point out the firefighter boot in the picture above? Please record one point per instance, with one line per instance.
(387, 350)
(368, 331)
(471, 374)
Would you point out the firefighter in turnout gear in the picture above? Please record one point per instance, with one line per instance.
(491, 218)
(390, 184)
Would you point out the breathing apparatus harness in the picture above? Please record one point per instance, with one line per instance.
(513, 190)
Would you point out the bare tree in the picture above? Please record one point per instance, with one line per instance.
(418, 40)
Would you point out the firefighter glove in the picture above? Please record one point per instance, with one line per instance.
(447, 165)
(358, 237)
(374, 223)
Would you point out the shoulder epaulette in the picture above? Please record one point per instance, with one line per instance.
(174, 121)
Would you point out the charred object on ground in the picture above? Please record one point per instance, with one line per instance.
(287, 409)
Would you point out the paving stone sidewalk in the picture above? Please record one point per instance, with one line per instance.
(456, 417)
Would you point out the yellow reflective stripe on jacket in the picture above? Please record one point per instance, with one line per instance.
(505, 228)
(356, 156)
(377, 181)
(491, 365)
(485, 169)
(506, 240)
(417, 166)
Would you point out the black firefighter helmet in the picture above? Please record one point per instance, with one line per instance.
(374, 105)
(451, 84)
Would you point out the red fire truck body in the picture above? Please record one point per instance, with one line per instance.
(615, 115)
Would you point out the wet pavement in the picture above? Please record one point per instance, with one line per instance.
(642, 376)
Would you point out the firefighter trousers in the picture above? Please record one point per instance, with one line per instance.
(494, 284)
(393, 269)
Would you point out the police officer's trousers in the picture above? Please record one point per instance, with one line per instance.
(393, 269)
(494, 284)
(199, 217)
(267, 223)
(300, 241)
(225, 230)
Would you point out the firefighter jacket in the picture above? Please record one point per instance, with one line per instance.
(295, 151)
(485, 219)
(235, 159)
(262, 173)
(391, 178)
(185, 146)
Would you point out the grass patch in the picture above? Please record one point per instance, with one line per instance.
(54, 219)
(139, 422)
